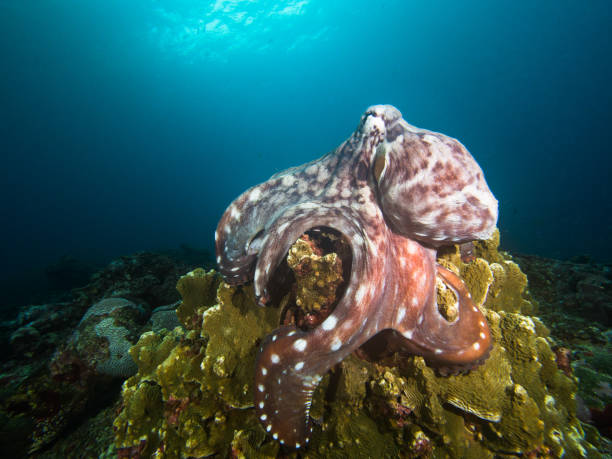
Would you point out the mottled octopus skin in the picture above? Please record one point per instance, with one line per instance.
(396, 193)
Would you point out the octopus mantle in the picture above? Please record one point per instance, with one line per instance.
(396, 193)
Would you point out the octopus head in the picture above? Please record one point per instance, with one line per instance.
(429, 186)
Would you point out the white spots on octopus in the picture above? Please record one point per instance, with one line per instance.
(261, 388)
(331, 191)
(415, 301)
(298, 366)
(400, 315)
(288, 180)
(323, 175)
(476, 346)
(482, 335)
(235, 213)
(254, 195)
(300, 345)
(263, 417)
(370, 209)
(345, 193)
(329, 323)
(264, 371)
(408, 334)
(361, 291)
(313, 169)
(274, 358)
(336, 344)
(261, 405)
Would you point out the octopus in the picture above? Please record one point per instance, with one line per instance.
(396, 193)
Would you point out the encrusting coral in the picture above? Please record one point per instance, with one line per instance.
(193, 393)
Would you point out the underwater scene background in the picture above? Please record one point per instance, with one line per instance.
(126, 130)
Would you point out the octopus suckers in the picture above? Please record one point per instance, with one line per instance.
(300, 345)
(274, 358)
(329, 323)
(335, 345)
(299, 366)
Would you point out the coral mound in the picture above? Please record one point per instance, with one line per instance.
(193, 393)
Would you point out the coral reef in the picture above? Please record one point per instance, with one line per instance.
(575, 302)
(193, 389)
(193, 393)
(63, 361)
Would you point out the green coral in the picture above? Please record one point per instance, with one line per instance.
(192, 395)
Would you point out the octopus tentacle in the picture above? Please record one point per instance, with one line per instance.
(453, 343)
(291, 362)
(287, 228)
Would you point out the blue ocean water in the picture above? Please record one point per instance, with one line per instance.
(129, 126)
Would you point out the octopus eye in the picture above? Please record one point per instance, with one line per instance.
(380, 162)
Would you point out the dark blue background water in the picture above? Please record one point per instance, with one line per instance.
(127, 126)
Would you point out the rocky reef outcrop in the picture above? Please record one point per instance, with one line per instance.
(193, 393)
